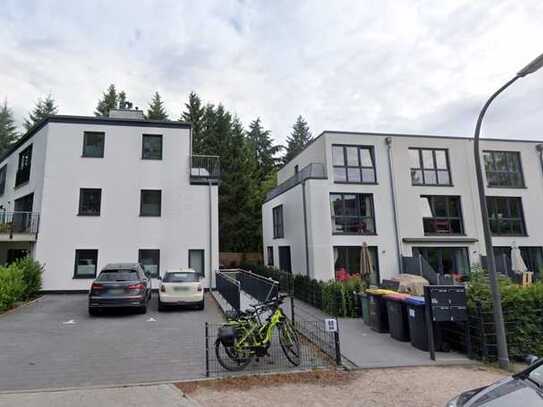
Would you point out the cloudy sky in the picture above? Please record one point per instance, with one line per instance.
(392, 66)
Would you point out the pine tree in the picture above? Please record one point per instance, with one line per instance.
(262, 148)
(42, 109)
(298, 139)
(8, 130)
(111, 99)
(194, 114)
(156, 110)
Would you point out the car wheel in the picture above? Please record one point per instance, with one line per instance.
(161, 306)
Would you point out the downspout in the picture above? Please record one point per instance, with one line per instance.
(388, 142)
(210, 235)
(539, 148)
(305, 231)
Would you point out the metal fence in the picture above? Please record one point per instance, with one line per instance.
(260, 288)
(228, 287)
(19, 222)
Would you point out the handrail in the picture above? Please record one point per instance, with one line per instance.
(310, 171)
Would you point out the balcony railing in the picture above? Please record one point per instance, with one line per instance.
(311, 171)
(19, 223)
(204, 169)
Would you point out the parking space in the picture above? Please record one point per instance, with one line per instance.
(54, 343)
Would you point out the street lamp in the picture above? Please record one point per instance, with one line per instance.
(503, 357)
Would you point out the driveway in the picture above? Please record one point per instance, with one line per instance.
(53, 343)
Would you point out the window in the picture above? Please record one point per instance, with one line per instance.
(429, 166)
(352, 213)
(278, 231)
(285, 261)
(506, 215)
(151, 147)
(180, 277)
(354, 164)
(445, 260)
(347, 259)
(150, 202)
(23, 169)
(441, 214)
(89, 201)
(85, 263)
(150, 261)
(3, 172)
(196, 261)
(93, 144)
(503, 169)
(270, 255)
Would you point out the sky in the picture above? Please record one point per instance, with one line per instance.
(423, 67)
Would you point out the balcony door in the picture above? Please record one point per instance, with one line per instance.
(22, 218)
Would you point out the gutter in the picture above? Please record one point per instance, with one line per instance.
(388, 142)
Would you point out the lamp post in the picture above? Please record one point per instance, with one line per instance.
(503, 357)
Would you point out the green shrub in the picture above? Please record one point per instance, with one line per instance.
(32, 276)
(12, 286)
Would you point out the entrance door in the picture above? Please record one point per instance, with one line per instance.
(196, 261)
(16, 254)
(285, 263)
(22, 218)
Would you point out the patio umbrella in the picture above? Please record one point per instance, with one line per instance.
(517, 263)
(365, 262)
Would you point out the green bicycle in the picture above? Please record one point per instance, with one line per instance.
(241, 339)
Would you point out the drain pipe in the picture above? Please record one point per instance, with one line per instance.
(388, 142)
(539, 148)
(305, 231)
(210, 234)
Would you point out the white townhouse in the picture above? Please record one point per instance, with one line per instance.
(411, 198)
(79, 192)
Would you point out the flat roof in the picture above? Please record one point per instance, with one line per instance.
(92, 120)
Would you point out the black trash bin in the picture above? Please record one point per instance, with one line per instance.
(417, 325)
(378, 310)
(398, 322)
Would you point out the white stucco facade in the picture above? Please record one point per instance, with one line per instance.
(399, 229)
(188, 211)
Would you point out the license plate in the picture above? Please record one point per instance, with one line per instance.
(116, 291)
(181, 288)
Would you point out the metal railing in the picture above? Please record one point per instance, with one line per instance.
(311, 171)
(229, 288)
(19, 222)
(260, 288)
(205, 167)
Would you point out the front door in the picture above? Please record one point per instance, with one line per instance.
(284, 259)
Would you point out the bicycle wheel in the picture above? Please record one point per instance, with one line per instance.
(290, 343)
(230, 358)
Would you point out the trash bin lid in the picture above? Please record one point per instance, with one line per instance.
(415, 300)
(400, 297)
(378, 291)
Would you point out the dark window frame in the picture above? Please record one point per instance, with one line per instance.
(435, 168)
(375, 249)
(360, 167)
(203, 252)
(85, 153)
(142, 192)
(496, 225)
(156, 252)
(3, 178)
(143, 151)
(278, 222)
(359, 216)
(269, 256)
(24, 166)
(81, 193)
(434, 219)
(78, 253)
(440, 251)
(508, 171)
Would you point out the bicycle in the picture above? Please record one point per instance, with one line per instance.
(246, 336)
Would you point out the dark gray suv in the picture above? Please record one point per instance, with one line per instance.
(120, 285)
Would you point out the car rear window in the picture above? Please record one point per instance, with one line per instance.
(118, 275)
(181, 278)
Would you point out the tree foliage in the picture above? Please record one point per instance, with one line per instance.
(111, 99)
(156, 110)
(42, 109)
(262, 149)
(298, 139)
(8, 129)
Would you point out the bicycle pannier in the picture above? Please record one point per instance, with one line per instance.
(227, 335)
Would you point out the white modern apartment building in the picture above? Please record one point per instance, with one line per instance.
(79, 192)
(412, 199)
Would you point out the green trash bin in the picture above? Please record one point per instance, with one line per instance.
(364, 304)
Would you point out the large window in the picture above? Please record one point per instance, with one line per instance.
(532, 256)
(150, 202)
(354, 164)
(347, 259)
(503, 169)
(441, 214)
(352, 213)
(278, 230)
(89, 201)
(93, 144)
(150, 261)
(85, 263)
(445, 260)
(151, 147)
(429, 166)
(3, 172)
(269, 253)
(506, 215)
(23, 169)
(196, 261)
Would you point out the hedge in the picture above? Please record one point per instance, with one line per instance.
(20, 281)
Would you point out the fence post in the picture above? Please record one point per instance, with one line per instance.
(484, 349)
(207, 348)
(337, 345)
(292, 309)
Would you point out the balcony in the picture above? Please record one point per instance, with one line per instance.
(311, 171)
(204, 169)
(19, 226)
